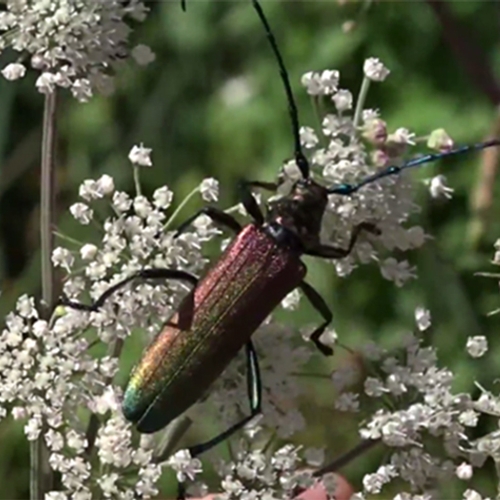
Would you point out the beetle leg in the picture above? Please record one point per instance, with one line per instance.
(268, 186)
(331, 252)
(217, 215)
(254, 388)
(249, 202)
(146, 274)
(320, 305)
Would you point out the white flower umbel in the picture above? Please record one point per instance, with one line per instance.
(256, 474)
(350, 147)
(418, 417)
(76, 45)
(52, 379)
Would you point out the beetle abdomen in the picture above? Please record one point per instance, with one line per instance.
(243, 287)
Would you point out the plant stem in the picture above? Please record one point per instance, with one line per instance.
(137, 181)
(360, 103)
(40, 476)
(344, 459)
(184, 202)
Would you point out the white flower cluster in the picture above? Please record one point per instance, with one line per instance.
(74, 44)
(49, 378)
(352, 146)
(254, 474)
(422, 421)
(49, 375)
(279, 359)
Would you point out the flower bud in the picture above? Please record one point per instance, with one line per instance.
(440, 141)
(375, 131)
(379, 158)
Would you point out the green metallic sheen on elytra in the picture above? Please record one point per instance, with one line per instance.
(212, 324)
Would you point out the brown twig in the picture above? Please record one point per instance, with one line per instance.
(482, 195)
(344, 459)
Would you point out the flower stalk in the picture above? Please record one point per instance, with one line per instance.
(39, 470)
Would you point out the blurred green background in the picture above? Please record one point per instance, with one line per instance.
(212, 105)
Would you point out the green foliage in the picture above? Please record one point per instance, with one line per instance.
(176, 107)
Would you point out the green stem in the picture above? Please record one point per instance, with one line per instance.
(69, 239)
(177, 211)
(137, 181)
(171, 437)
(361, 102)
(317, 105)
(40, 475)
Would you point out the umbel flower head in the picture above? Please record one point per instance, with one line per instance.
(74, 44)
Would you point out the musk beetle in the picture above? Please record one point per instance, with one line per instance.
(257, 270)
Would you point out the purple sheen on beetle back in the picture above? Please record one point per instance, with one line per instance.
(236, 295)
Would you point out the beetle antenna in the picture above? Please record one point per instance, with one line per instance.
(300, 158)
(348, 189)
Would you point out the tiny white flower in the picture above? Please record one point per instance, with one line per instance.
(142, 207)
(438, 187)
(464, 471)
(107, 482)
(472, 495)
(370, 114)
(81, 212)
(185, 466)
(39, 328)
(163, 197)
(399, 272)
(402, 136)
(143, 55)
(469, 418)
(236, 91)
(106, 184)
(422, 318)
(88, 251)
(62, 257)
(330, 80)
(14, 71)
(312, 82)
(121, 201)
(477, 346)
(374, 387)
(373, 483)
(348, 402)
(140, 156)
(372, 351)
(330, 482)
(290, 171)
(314, 456)
(440, 140)
(45, 83)
(375, 70)
(291, 301)
(209, 189)
(18, 413)
(329, 337)
(81, 89)
(76, 441)
(342, 100)
(308, 137)
(344, 377)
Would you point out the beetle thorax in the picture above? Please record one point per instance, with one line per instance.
(301, 211)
